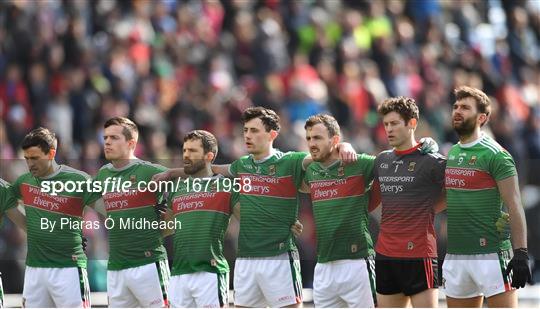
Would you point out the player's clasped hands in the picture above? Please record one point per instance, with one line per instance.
(297, 228)
(160, 208)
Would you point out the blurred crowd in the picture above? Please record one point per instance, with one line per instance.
(174, 66)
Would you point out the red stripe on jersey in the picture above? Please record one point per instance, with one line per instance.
(202, 201)
(67, 205)
(115, 201)
(271, 186)
(468, 179)
(322, 190)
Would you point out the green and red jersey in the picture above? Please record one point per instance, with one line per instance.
(340, 198)
(130, 246)
(473, 199)
(60, 246)
(204, 213)
(270, 206)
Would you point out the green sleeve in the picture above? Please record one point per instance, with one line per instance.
(233, 168)
(502, 166)
(235, 197)
(89, 196)
(15, 190)
(306, 176)
(96, 192)
(7, 200)
(156, 169)
(367, 162)
(297, 159)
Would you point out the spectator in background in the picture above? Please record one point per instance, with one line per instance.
(15, 108)
(175, 66)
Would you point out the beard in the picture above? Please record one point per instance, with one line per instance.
(466, 127)
(194, 167)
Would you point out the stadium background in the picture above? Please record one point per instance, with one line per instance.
(174, 66)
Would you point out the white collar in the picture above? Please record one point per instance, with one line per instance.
(273, 151)
(471, 144)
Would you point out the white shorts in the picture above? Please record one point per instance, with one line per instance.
(56, 287)
(466, 276)
(142, 286)
(344, 283)
(199, 290)
(273, 281)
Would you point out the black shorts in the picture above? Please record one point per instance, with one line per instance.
(409, 276)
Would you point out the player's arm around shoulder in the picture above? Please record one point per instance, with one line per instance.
(173, 173)
(223, 169)
(347, 154)
(169, 174)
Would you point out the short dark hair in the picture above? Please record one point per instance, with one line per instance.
(404, 106)
(328, 121)
(40, 137)
(208, 140)
(483, 104)
(130, 130)
(268, 117)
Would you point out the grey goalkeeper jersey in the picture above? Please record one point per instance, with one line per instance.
(410, 185)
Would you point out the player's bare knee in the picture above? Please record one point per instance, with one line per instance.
(506, 299)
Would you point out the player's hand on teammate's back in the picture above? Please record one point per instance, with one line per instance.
(297, 228)
(161, 208)
(84, 243)
(519, 266)
(347, 154)
(503, 225)
(429, 145)
(163, 176)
